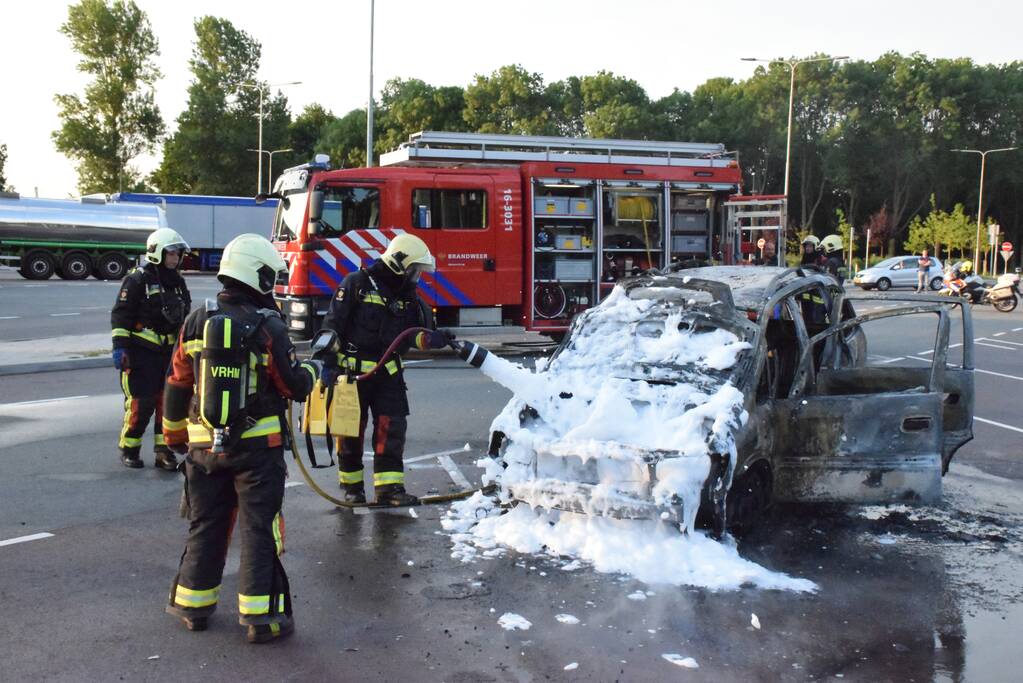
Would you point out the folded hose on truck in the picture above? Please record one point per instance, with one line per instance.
(324, 423)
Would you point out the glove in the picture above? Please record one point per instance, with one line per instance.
(121, 359)
(438, 339)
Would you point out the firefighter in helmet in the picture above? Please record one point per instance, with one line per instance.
(369, 310)
(809, 255)
(832, 255)
(150, 307)
(241, 477)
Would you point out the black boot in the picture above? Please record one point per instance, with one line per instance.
(353, 493)
(196, 623)
(130, 458)
(166, 460)
(264, 633)
(395, 495)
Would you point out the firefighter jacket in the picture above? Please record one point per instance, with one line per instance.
(368, 312)
(151, 305)
(275, 375)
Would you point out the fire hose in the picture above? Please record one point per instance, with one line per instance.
(428, 500)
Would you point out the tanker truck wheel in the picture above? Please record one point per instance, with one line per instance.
(76, 265)
(110, 266)
(37, 265)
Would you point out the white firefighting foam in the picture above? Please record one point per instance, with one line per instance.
(596, 421)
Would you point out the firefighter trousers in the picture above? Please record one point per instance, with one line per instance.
(142, 386)
(243, 489)
(385, 396)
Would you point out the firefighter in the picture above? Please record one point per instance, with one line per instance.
(150, 307)
(369, 310)
(245, 481)
(833, 260)
(809, 255)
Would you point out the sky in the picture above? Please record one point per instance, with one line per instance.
(661, 44)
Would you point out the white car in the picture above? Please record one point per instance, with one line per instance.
(898, 271)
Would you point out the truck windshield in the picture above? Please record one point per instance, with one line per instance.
(349, 208)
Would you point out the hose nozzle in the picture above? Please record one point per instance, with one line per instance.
(471, 353)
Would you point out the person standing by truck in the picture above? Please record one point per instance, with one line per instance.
(150, 307)
(233, 372)
(923, 271)
(370, 309)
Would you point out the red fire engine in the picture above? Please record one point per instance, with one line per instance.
(526, 230)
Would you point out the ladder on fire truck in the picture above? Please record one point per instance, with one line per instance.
(434, 146)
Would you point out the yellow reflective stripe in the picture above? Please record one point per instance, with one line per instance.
(192, 347)
(175, 425)
(125, 441)
(120, 332)
(152, 289)
(158, 439)
(188, 597)
(278, 530)
(350, 363)
(311, 370)
(350, 477)
(258, 604)
(129, 442)
(198, 433)
(265, 426)
(225, 403)
(385, 478)
(373, 298)
(227, 332)
(275, 628)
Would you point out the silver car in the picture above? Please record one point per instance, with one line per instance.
(898, 271)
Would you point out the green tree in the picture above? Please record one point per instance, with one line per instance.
(510, 100)
(4, 187)
(117, 118)
(304, 133)
(344, 140)
(408, 106)
(209, 152)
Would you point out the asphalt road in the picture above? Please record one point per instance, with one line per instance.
(904, 595)
(55, 307)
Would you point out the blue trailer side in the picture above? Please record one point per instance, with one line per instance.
(208, 222)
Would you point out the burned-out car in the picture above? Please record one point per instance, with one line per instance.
(721, 389)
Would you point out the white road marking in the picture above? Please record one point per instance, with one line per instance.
(42, 400)
(9, 317)
(998, 374)
(416, 362)
(1002, 341)
(291, 484)
(61, 315)
(452, 469)
(997, 334)
(435, 455)
(997, 424)
(951, 346)
(33, 285)
(1017, 329)
(26, 539)
(994, 346)
(892, 360)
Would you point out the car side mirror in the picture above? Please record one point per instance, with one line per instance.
(315, 211)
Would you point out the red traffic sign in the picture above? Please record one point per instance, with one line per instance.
(1006, 246)
(761, 242)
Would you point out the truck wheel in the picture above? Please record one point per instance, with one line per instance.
(37, 265)
(884, 284)
(76, 265)
(110, 266)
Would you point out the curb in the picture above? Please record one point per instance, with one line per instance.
(56, 366)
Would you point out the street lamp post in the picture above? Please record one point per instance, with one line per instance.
(791, 64)
(369, 109)
(270, 168)
(980, 198)
(261, 89)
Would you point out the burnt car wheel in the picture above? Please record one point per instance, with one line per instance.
(749, 499)
(884, 284)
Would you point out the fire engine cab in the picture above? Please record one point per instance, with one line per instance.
(526, 230)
